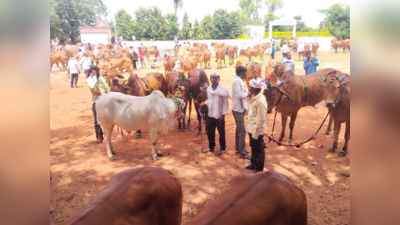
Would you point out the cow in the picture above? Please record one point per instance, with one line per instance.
(220, 55)
(122, 64)
(198, 81)
(174, 80)
(235, 51)
(337, 98)
(272, 69)
(189, 63)
(241, 62)
(154, 112)
(169, 64)
(249, 52)
(303, 53)
(339, 44)
(55, 58)
(261, 198)
(230, 51)
(149, 51)
(202, 46)
(290, 96)
(145, 195)
(207, 58)
(348, 44)
(314, 48)
(218, 45)
(253, 71)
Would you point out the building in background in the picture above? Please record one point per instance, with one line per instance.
(101, 34)
(254, 31)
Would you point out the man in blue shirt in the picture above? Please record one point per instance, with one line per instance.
(273, 51)
(310, 65)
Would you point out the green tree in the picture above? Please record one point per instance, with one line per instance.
(337, 20)
(221, 25)
(149, 23)
(196, 28)
(177, 3)
(185, 32)
(55, 22)
(250, 10)
(125, 24)
(272, 6)
(301, 25)
(75, 13)
(235, 24)
(206, 28)
(171, 26)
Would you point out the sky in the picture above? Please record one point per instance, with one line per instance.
(198, 9)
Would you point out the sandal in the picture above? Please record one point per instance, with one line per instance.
(342, 154)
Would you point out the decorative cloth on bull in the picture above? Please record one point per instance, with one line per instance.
(332, 75)
(269, 84)
(179, 91)
(206, 85)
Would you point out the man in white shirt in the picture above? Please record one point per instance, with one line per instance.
(239, 110)
(217, 103)
(74, 70)
(289, 62)
(284, 49)
(300, 47)
(120, 39)
(133, 37)
(85, 62)
(96, 51)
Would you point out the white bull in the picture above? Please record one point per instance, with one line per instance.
(154, 112)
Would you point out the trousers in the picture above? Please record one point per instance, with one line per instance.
(257, 152)
(74, 77)
(240, 133)
(213, 123)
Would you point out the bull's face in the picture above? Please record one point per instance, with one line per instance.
(331, 90)
(181, 108)
(272, 95)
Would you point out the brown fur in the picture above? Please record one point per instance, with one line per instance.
(257, 72)
(339, 44)
(250, 52)
(230, 51)
(172, 85)
(121, 63)
(220, 55)
(314, 49)
(169, 64)
(145, 195)
(207, 58)
(199, 79)
(261, 198)
(137, 85)
(241, 62)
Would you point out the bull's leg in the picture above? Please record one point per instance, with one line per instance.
(293, 117)
(58, 66)
(154, 138)
(284, 121)
(107, 131)
(346, 140)
(190, 110)
(179, 125)
(336, 131)
(224, 63)
(138, 134)
(329, 128)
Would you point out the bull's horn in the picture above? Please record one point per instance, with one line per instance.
(251, 63)
(274, 63)
(262, 63)
(280, 84)
(341, 79)
(323, 79)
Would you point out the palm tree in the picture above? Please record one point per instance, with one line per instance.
(176, 4)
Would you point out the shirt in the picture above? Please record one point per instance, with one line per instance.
(72, 66)
(289, 64)
(97, 86)
(273, 49)
(85, 62)
(258, 115)
(284, 48)
(141, 54)
(311, 68)
(156, 53)
(217, 101)
(95, 52)
(239, 95)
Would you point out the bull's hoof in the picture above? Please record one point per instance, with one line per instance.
(111, 158)
(326, 132)
(113, 152)
(331, 149)
(342, 154)
(279, 139)
(51, 210)
(160, 154)
(139, 135)
(154, 157)
(332, 136)
(290, 142)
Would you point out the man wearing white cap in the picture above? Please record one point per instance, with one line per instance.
(217, 103)
(257, 121)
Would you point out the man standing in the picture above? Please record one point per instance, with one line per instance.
(156, 55)
(120, 39)
(141, 56)
(133, 55)
(284, 49)
(74, 70)
(310, 65)
(133, 37)
(239, 110)
(217, 103)
(273, 51)
(98, 86)
(85, 62)
(257, 121)
(289, 62)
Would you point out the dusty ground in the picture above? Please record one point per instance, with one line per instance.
(81, 169)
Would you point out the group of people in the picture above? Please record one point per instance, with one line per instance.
(75, 68)
(217, 104)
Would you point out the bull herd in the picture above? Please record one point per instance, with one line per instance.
(154, 196)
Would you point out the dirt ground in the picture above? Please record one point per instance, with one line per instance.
(80, 167)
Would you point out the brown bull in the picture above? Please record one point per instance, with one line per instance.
(169, 64)
(303, 53)
(339, 44)
(202, 46)
(337, 98)
(189, 63)
(149, 51)
(199, 80)
(348, 44)
(253, 71)
(121, 63)
(261, 198)
(230, 51)
(293, 96)
(250, 52)
(207, 58)
(55, 58)
(270, 67)
(218, 45)
(241, 62)
(220, 55)
(174, 80)
(144, 195)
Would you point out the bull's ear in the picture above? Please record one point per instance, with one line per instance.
(342, 78)
(120, 76)
(322, 86)
(285, 95)
(344, 84)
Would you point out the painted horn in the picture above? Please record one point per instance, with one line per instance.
(341, 79)
(323, 79)
(280, 84)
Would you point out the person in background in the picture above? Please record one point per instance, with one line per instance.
(256, 124)
(120, 39)
(156, 55)
(89, 47)
(74, 70)
(133, 55)
(79, 53)
(85, 63)
(284, 50)
(133, 37)
(218, 105)
(289, 62)
(239, 110)
(310, 66)
(95, 51)
(273, 51)
(98, 86)
(141, 56)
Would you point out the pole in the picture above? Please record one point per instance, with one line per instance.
(115, 31)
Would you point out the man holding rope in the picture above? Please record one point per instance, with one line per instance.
(257, 120)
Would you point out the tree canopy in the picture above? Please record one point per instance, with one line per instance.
(250, 8)
(337, 20)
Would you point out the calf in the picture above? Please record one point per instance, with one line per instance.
(174, 80)
(144, 195)
(220, 55)
(261, 198)
(154, 112)
(337, 98)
